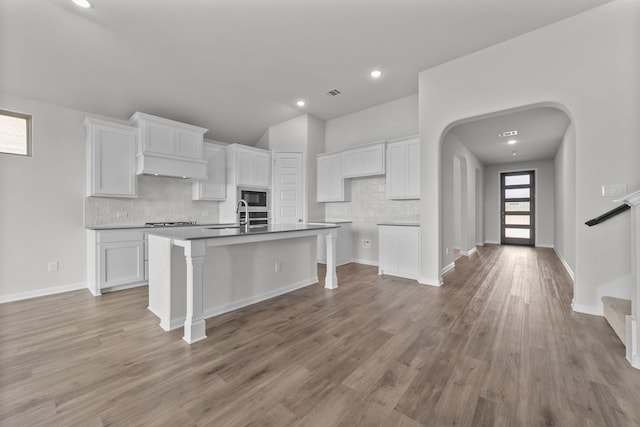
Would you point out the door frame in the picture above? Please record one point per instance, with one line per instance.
(534, 195)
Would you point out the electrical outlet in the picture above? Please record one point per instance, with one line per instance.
(366, 243)
(52, 266)
(447, 251)
(278, 266)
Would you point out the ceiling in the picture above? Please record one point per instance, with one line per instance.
(540, 132)
(237, 67)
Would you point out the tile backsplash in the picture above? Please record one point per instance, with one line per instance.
(159, 199)
(369, 205)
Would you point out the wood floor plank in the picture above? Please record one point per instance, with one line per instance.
(497, 344)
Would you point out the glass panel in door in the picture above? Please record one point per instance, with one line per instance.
(517, 208)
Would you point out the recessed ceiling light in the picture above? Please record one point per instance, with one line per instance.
(82, 3)
(300, 103)
(515, 153)
(376, 74)
(511, 141)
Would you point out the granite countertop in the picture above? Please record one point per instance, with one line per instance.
(130, 227)
(401, 224)
(208, 232)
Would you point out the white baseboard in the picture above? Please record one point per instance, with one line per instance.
(225, 308)
(448, 267)
(469, 252)
(364, 261)
(594, 310)
(42, 292)
(479, 243)
(430, 282)
(565, 264)
(324, 262)
(545, 246)
(491, 242)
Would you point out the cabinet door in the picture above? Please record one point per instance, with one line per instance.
(373, 159)
(388, 253)
(121, 263)
(330, 184)
(244, 164)
(413, 169)
(111, 168)
(214, 188)
(352, 163)
(188, 144)
(396, 174)
(408, 253)
(158, 138)
(261, 169)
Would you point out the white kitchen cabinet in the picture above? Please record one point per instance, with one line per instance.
(169, 148)
(399, 253)
(249, 166)
(214, 187)
(331, 186)
(344, 244)
(403, 169)
(111, 159)
(364, 160)
(115, 259)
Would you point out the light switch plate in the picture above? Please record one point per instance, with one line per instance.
(614, 190)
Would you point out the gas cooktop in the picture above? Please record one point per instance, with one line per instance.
(169, 224)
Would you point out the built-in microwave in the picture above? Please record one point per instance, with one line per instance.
(256, 198)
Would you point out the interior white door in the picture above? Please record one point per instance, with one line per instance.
(288, 187)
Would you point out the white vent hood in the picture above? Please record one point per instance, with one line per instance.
(169, 148)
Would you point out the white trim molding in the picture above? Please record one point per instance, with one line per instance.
(632, 343)
(594, 310)
(430, 282)
(364, 261)
(42, 292)
(565, 264)
(447, 268)
(469, 252)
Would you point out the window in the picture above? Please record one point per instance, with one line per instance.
(15, 133)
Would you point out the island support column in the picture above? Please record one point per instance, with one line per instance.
(194, 323)
(331, 279)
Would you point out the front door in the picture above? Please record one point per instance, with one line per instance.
(517, 208)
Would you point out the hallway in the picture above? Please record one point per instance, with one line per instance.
(497, 345)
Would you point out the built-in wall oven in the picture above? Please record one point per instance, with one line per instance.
(258, 205)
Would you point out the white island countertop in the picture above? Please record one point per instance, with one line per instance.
(196, 233)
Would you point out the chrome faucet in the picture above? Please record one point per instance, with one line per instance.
(246, 213)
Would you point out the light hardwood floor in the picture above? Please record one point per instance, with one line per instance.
(497, 345)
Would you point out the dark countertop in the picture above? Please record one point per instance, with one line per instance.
(331, 222)
(401, 224)
(208, 232)
(131, 227)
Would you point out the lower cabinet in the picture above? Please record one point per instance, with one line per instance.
(399, 251)
(115, 258)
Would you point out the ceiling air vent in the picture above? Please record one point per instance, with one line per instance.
(508, 133)
(334, 92)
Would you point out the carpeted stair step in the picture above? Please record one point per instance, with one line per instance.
(615, 310)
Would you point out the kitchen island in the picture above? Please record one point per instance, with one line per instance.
(200, 272)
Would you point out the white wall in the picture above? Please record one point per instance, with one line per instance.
(390, 120)
(545, 200)
(304, 134)
(565, 203)
(368, 205)
(587, 65)
(41, 203)
(459, 220)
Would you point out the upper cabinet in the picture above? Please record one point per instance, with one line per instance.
(330, 184)
(169, 148)
(364, 160)
(248, 166)
(213, 188)
(403, 168)
(111, 159)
